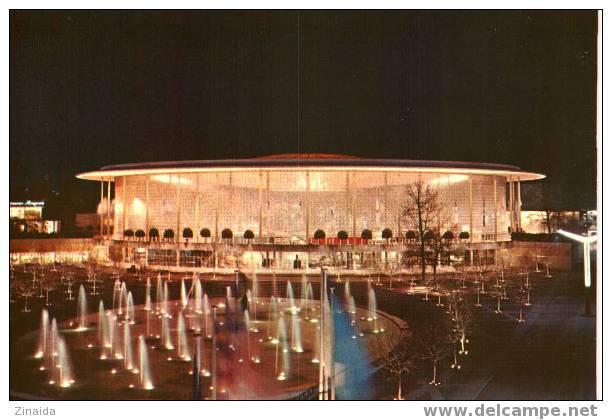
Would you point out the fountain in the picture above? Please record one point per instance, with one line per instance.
(145, 373)
(372, 317)
(64, 371)
(247, 327)
(43, 334)
(281, 342)
(113, 323)
(103, 333)
(129, 313)
(128, 362)
(183, 294)
(164, 302)
(53, 335)
(116, 293)
(197, 292)
(82, 309)
(159, 293)
(347, 292)
(296, 336)
(290, 299)
(122, 298)
(352, 310)
(304, 290)
(272, 316)
(136, 361)
(181, 339)
(207, 313)
(310, 298)
(147, 306)
(165, 335)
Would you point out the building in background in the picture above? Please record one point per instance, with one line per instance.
(541, 221)
(298, 211)
(26, 217)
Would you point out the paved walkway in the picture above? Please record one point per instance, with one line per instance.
(549, 357)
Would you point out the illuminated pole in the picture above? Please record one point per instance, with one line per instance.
(213, 365)
(102, 208)
(108, 201)
(332, 368)
(197, 369)
(147, 212)
(124, 206)
(518, 203)
(495, 205)
(586, 242)
(322, 375)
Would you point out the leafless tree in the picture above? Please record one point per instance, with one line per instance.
(432, 340)
(399, 355)
(464, 320)
(421, 212)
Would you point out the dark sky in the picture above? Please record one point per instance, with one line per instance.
(94, 88)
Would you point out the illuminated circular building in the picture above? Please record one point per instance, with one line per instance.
(290, 212)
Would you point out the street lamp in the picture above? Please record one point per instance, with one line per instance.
(586, 242)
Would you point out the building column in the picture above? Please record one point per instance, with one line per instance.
(267, 223)
(385, 200)
(495, 206)
(471, 212)
(196, 226)
(147, 209)
(124, 207)
(108, 201)
(518, 202)
(354, 210)
(101, 214)
(260, 203)
(307, 206)
(511, 207)
(347, 197)
(178, 209)
(217, 206)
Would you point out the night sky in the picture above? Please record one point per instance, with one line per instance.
(89, 89)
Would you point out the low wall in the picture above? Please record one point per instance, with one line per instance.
(558, 255)
(52, 245)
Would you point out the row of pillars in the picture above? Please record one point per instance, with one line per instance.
(105, 217)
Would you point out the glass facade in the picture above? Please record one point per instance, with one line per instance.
(288, 206)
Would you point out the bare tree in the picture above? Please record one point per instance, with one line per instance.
(399, 355)
(432, 339)
(463, 317)
(421, 212)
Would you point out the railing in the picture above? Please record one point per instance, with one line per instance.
(332, 241)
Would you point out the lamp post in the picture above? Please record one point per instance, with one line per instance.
(197, 368)
(586, 242)
(213, 367)
(322, 367)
